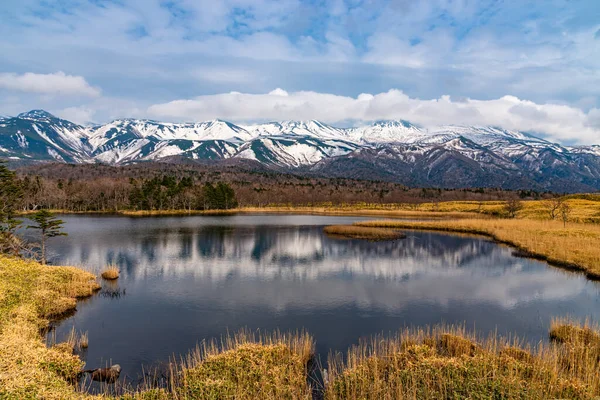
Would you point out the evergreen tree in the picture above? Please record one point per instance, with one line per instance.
(49, 227)
(11, 194)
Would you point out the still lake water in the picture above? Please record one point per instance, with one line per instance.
(186, 279)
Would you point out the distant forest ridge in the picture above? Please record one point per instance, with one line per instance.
(165, 186)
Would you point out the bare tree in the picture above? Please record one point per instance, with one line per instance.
(565, 213)
(553, 206)
(512, 207)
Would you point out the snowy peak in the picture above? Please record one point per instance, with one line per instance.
(210, 130)
(36, 115)
(311, 128)
(388, 132)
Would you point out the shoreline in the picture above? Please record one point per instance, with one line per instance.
(591, 268)
(360, 212)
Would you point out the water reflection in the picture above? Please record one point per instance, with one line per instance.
(187, 279)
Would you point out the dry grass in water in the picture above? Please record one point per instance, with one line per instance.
(575, 246)
(448, 363)
(83, 340)
(111, 273)
(361, 232)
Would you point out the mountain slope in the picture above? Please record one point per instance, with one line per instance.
(445, 156)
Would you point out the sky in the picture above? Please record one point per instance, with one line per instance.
(519, 64)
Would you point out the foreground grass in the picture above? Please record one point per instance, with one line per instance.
(448, 363)
(362, 232)
(575, 246)
(30, 295)
(247, 366)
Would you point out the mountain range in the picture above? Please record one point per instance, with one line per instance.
(446, 156)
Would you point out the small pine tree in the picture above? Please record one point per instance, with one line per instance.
(11, 194)
(49, 227)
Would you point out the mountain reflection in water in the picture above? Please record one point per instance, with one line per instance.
(195, 278)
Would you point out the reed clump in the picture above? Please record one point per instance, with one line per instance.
(574, 246)
(362, 232)
(83, 342)
(247, 365)
(111, 273)
(448, 363)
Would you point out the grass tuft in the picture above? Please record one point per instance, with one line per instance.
(111, 273)
(83, 341)
(247, 365)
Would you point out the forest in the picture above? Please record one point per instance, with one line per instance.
(157, 186)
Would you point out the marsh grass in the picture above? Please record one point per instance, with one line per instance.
(362, 232)
(573, 247)
(449, 363)
(110, 273)
(247, 365)
(30, 295)
(83, 342)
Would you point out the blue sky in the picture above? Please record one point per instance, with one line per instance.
(530, 65)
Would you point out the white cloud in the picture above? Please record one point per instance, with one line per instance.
(57, 83)
(555, 121)
(79, 115)
(217, 74)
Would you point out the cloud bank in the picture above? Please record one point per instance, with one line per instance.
(57, 83)
(552, 121)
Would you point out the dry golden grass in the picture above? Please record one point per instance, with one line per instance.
(155, 213)
(361, 232)
(247, 365)
(110, 273)
(448, 363)
(583, 208)
(575, 246)
(30, 293)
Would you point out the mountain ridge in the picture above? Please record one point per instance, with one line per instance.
(444, 156)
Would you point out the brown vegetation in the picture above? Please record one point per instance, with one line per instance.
(111, 273)
(361, 232)
(445, 363)
(575, 246)
(30, 294)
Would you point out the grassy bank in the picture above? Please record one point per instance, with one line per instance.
(362, 232)
(31, 295)
(575, 246)
(449, 363)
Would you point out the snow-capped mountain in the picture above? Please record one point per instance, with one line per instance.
(445, 156)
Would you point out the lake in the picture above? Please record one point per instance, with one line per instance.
(188, 279)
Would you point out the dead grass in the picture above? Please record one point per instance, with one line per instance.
(83, 342)
(247, 365)
(361, 232)
(110, 273)
(449, 363)
(30, 294)
(575, 246)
